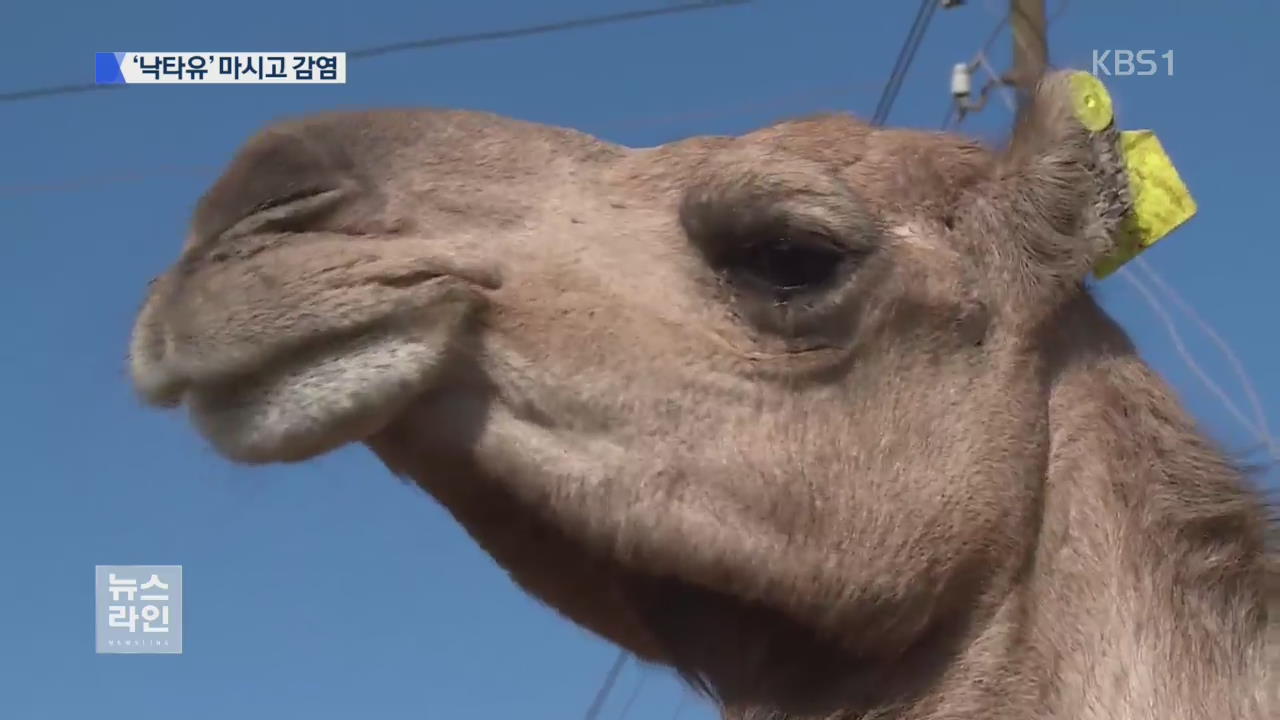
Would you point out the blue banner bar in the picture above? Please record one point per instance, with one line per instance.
(107, 69)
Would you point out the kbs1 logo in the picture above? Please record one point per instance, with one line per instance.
(1123, 63)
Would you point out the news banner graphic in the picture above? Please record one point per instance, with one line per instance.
(129, 68)
(138, 608)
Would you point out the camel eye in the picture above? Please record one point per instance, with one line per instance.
(785, 265)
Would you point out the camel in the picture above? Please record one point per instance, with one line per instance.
(823, 417)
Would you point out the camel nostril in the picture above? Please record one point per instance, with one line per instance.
(153, 378)
(150, 354)
(276, 169)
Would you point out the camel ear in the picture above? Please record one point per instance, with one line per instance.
(1058, 195)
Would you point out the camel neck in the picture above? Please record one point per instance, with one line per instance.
(1144, 597)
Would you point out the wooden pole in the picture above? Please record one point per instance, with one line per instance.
(1030, 45)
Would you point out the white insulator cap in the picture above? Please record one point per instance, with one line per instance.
(960, 80)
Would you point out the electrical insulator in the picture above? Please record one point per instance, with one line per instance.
(948, 4)
(960, 80)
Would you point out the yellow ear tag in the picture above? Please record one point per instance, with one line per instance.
(1161, 201)
(1091, 101)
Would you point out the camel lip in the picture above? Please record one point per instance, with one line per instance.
(165, 372)
(302, 395)
(154, 380)
(166, 393)
(336, 393)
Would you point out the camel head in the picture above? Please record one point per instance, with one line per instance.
(782, 411)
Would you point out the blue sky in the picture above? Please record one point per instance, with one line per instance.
(329, 589)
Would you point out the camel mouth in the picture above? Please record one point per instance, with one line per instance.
(284, 379)
(338, 393)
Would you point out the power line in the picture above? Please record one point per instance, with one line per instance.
(1259, 414)
(1259, 432)
(88, 181)
(539, 29)
(997, 80)
(908, 52)
(684, 700)
(1259, 428)
(635, 693)
(782, 102)
(611, 677)
(434, 42)
(34, 93)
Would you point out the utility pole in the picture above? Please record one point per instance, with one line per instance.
(1028, 27)
(1030, 46)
